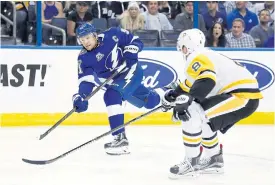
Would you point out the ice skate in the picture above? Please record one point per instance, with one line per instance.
(213, 164)
(118, 146)
(187, 168)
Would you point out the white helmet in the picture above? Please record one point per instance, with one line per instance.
(192, 39)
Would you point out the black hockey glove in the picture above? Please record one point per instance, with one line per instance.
(168, 100)
(180, 111)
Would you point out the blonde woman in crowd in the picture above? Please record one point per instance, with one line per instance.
(131, 19)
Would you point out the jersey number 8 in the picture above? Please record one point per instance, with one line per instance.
(196, 66)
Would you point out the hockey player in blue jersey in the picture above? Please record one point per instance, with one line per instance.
(102, 55)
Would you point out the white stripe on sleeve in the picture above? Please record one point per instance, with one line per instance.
(88, 78)
(134, 38)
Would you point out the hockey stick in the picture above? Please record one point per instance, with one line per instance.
(87, 98)
(43, 162)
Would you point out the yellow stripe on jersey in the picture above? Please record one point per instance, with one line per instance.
(249, 95)
(199, 64)
(188, 84)
(227, 106)
(184, 87)
(236, 83)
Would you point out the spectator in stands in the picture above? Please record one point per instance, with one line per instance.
(101, 9)
(176, 8)
(212, 15)
(142, 6)
(155, 20)
(69, 7)
(269, 5)
(21, 20)
(237, 38)
(184, 20)
(51, 9)
(269, 43)
(242, 12)
(132, 19)
(203, 7)
(78, 17)
(231, 5)
(216, 36)
(262, 32)
(108, 9)
(165, 8)
(117, 8)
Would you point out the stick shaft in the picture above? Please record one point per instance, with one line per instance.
(87, 98)
(43, 162)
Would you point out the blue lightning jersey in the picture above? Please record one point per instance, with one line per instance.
(116, 46)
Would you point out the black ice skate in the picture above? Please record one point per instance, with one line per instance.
(187, 168)
(212, 165)
(118, 146)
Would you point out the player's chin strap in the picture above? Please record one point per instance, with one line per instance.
(86, 99)
(43, 162)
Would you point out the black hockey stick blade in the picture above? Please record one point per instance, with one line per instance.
(38, 162)
(43, 162)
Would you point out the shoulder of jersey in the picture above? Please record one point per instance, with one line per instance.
(110, 34)
(198, 55)
(111, 30)
(82, 52)
(191, 57)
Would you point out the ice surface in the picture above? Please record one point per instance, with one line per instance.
(248, 155)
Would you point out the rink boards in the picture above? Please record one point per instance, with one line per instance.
(36, 86)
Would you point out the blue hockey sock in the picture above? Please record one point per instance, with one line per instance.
(113, 102)
(116, 121)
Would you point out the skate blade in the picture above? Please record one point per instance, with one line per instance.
(118, 150)
(212, 171)
(190, 175)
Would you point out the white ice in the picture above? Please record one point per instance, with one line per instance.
(248, 155)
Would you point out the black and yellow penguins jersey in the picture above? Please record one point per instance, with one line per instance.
(209, 73)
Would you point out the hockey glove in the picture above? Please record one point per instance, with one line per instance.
(130, 54)
(79, 103)
(168, 100)
(184, 115)
(180, 111)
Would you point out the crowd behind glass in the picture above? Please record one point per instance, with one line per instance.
(232, 24)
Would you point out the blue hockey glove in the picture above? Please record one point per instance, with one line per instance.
(79, 103)
(180, 111)
(130, 55)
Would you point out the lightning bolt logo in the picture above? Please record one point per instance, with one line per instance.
(130, 74)
(114, 57)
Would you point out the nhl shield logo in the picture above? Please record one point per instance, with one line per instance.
(99, 56)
